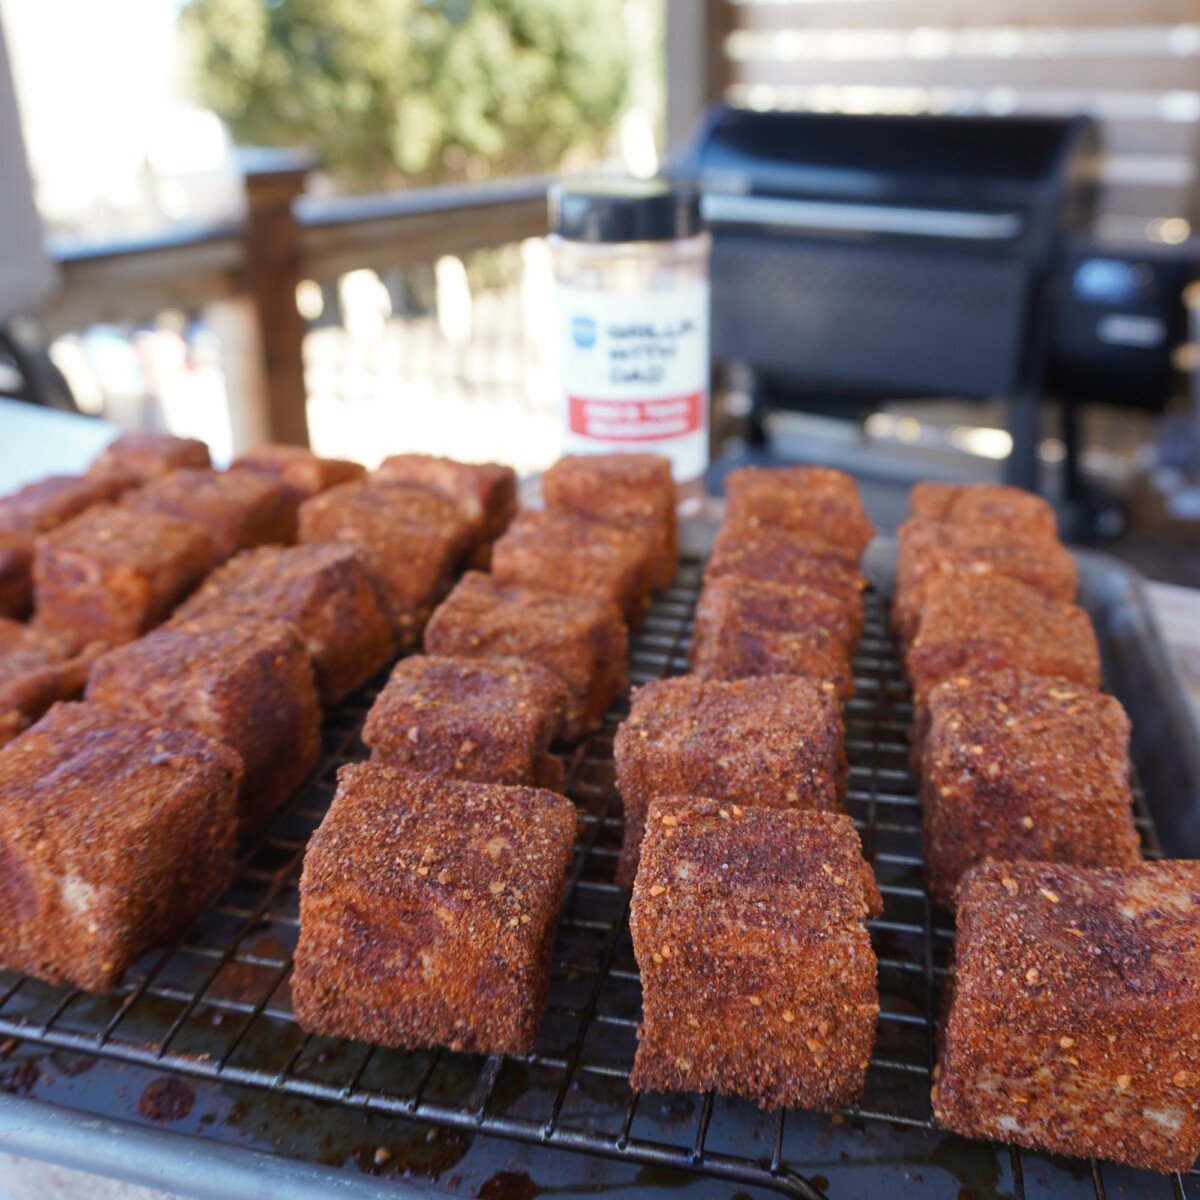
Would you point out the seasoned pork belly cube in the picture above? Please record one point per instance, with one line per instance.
(114, 833)
(774, 742)
(1074, 1023)
(427, 910)
(758, 977)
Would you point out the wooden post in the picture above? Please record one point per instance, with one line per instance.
(697, 70)
(272, 270)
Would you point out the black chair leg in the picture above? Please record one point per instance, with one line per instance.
(1024, 411)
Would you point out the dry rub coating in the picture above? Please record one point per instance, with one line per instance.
(145, 455)
(485, 493)
(758, 977)
(774, 556)
(929, 555)
(113, 835)
(37, 668)
(299, 468)
(16, 573)
(580, 639)
(427, 910)
(488, 720)
(1023, 767)
(983, 503)
(246, 683)
(51, 502)
(990, 623)
(1074, 1025)
(793, 609)
(236, 509)
(567, 553)
(632, 491)
(323, 591)
(113, 574)
(410, 541)
(816, 501)
(773, 742)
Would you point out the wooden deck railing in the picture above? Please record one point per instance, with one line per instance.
(243, 276)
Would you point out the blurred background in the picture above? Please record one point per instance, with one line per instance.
(323, 220)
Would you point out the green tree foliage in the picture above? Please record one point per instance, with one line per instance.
(392, 92)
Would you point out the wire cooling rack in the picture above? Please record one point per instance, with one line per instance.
(217, 1005)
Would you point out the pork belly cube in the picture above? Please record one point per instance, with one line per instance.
(739, 638)
(245, 682)
(818, 501)
(766, 555)
(758, 977)
(989, 623)
(45, 505)
(773, 743)
(632, 491)
(114, 573)
(410, 541)
(145, 455)
(1018, 766)
(299, 468)
(114, 834)
(16, 573)
(322, 591)
(983, 503)
(487, 720)
(566, 553)
(791, 609)
(580, 639)
(485, 493)
(427, 909)
(37, 668)
(930, 554)
(1074, 1023)
(236, 509)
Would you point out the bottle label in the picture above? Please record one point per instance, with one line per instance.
(635, 373)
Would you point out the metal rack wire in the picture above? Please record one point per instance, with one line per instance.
(216, 1005)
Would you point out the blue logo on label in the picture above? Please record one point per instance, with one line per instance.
(583, 332)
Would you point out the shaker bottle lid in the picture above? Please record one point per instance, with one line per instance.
(624, 210)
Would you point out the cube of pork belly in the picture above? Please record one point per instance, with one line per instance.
(114, 573)
(246, 683)
(1074, 1024)
(566, 553)
(1019, 766)
(817, 501)
(989, 623)
(633, 491)
(929, 554)
(45, 505)
(427, 909)
(145, 455)
(37, 668)
(578, 638)
(114, 833)
(983, 503)
(322, 591)
(410, 541)
(736, 640)
(792, 609)
(237, 509)
(299, 468)
(758, 977)
(773, 742)
(776, 556)
(485, 493)
(16, 573)
(488, 720)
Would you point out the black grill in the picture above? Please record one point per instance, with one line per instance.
(216, 1006)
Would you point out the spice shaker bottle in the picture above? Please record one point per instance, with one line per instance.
(631, 269)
